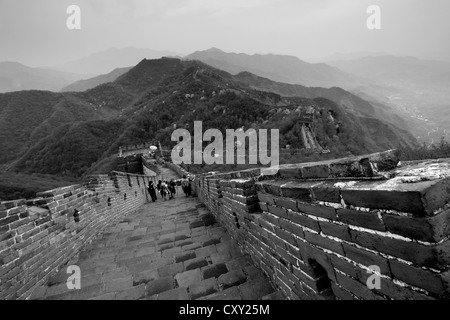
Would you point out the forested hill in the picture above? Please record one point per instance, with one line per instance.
(75, 133)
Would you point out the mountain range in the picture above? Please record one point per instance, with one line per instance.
(78, 75)
(417, 88)
(280, 68)
(105, 61)
(362, 105)
(16, 77)
(77, 133)
(414, 91)
(83, 85)
(407, 71)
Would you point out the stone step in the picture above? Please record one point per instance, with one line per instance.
(166, 250)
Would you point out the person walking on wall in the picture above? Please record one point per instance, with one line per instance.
(152, 191)
(172, 188)
(186, 185)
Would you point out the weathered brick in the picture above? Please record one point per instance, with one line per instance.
(286, 255)
(419, 198)
(256, 289)
(4, 234)
(188, 278)
(265, 224)
(8, 220)
(286, 203)
(174, 294)
(263, 206)
(369, 220)
(15, 211)
(357, 288)
(316, 210)
(295, 253)
(170, 270)
(366, 258)
(278, 211)
(297, 290)
(286, 236)
(290, 171)
(297, 190)
(185, 256)
(273, 219)
(145, 277)
(277, 241)
(436, 257)
(232, 278)
(203, 288)
(9, 204)
(343, 266)
(391, 289)
(341, 293)
(291, 227)
(275, 187)
(159, 285)
(326, 191)
(37, 211)
(421, 278)
(205, 251)
(232, 293)
(432, 229)
(214, 271)
(336, 230)
(316, 171)
(324, 242)
(30, 233)
(304, 220)
(317, 283)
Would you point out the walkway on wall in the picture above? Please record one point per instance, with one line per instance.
(167, 250)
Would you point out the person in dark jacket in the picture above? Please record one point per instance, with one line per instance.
(186, 185)
(152, 191)
(172, 188)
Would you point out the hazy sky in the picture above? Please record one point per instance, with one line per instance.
(34, 32)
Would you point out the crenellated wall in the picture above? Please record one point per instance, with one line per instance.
(317, 230)
(322, 230)
(130, 164)
(179, 170)
(39, 236)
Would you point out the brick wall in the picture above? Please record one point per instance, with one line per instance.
(130, 164)
(39, 236)
(179, 170)
(318, 229)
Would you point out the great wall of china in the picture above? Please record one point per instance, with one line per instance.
(315, 230)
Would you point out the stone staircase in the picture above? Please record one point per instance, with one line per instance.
(168, 250)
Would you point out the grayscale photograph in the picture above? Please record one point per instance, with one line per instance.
(196, 151)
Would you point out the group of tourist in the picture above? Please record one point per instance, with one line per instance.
(168, 188)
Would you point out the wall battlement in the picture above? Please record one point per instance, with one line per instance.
(39, 236)
(318, 229)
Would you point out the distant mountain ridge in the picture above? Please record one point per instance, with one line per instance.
(400, 70)
(77, 133)
(103, 62)
(15, 76)
(280, 68)
(83, 85)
